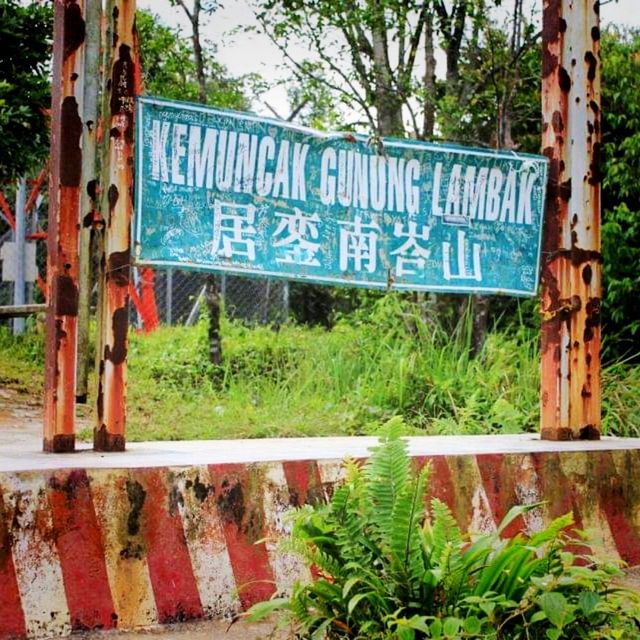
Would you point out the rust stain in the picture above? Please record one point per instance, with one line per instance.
(74, 28)
(118, 265)
(60, 443)
(102, 439)
(71, 152)
(66, 290)
(230, 503)
(118, 353)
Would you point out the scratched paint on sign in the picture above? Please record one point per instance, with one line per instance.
(225, 191)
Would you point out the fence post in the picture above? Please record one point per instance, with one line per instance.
(20, 234)
(168, 298)
(571, 263)
(93, 14)
(64, 218)
(117, 183)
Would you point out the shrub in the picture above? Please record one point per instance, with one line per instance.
(384, 571)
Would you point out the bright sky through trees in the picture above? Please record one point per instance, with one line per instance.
(248, 52)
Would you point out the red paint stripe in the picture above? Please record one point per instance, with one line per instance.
(81, 550)
(174, 585)
(557, 492)
(303, 480)
(305, 487)
(12, 625)
(243, 524)
(613, 501)
(498, 482)
(6, 211)
(440, 483)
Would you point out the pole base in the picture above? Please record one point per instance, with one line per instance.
(105, 441)
(60, 443)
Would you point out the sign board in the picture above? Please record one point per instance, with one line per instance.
(234, 192)
(8, 255)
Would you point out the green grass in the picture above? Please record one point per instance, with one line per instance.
(298, 381)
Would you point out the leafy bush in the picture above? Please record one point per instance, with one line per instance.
(385, 572)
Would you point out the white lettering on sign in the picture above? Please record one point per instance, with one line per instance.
(411, 256)
(464, 273)
(240, 162)
(233, 230)
(296, 234)
(358, 245)
(482, 194)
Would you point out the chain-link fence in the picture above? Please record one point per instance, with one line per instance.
(180, 297)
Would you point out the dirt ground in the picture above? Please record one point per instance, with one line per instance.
(210, 630)
(21, 418)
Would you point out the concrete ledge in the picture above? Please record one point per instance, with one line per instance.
(183, 531)
(190, 452)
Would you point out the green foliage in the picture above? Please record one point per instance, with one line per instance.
(621, 190)
(22, 358)
(393, 357)
(25, 34)
(169, 68)
(385, 572)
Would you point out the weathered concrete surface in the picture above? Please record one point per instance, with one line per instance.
(203, 630)
(172, 531)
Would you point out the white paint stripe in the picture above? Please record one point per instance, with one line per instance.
(482, 520)
(528, 492)
(481, 517)
(124, 553)
(35, 556)
(331, 471)
(206, 543)
(287, 567)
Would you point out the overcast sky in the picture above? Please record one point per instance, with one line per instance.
(251, 52)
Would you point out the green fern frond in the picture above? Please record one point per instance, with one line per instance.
(386, 473)
(407, 559)
(443, 530)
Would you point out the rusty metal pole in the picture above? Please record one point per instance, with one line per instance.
(109, 434)
(64, 220)
(571, 267)
(88, 204)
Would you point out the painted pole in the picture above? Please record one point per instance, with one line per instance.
(109, 434)
(570, 395)
(88, 202)
(64, 221)
(20, 235)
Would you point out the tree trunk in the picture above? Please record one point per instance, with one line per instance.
(480, 323)
(212, 298)
(212, 295)
(429, 109)
(197, 52)
(388, 103)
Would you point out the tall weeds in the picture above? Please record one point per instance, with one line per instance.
(392, 357)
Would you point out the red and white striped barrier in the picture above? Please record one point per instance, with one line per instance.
(105, 548)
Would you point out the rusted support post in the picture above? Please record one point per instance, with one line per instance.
(117, 183)
(64, 220)
(571, 266)
(88, 204)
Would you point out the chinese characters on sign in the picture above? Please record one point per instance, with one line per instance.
(233, 192)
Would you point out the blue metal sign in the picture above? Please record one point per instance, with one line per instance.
(233, 192)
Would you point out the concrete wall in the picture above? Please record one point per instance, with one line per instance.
(105, 548)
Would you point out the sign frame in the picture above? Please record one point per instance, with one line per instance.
(389, 143)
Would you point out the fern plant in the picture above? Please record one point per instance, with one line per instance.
(385, 569)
